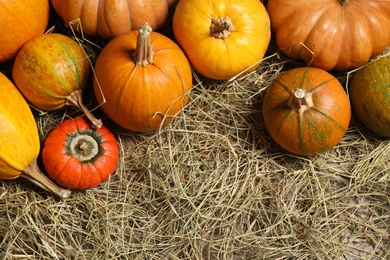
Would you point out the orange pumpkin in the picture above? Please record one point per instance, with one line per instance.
(78, 156)
(110, 18)
(51, 70)
(20, 21)
(19, 140)
(343, 34)
(369, 92)
(222, 38)
(144, 79)
(306, 111)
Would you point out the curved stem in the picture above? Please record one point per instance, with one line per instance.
(35, 175)
(143, 54)
(221, 27)
(76, 99)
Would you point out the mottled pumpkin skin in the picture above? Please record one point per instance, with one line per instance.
(313, 130)
(19, 139)
(369, 93)
(216, 58)
(68, 170)
(142, 98)
(343, 34)
(20, 21)
(48, 68)
(110, 18)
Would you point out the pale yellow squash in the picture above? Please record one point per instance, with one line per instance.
(19, 140)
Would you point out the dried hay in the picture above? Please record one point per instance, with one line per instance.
(212, 185)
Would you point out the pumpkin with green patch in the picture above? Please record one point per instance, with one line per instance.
(369, 92)
(306, 111)
(51, 71)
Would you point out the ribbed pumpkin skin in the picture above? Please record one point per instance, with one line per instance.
(66, 168)
(218, 58)
(138, 97)
(20, 21)
(343, 34)
(369, 93)
(48, 68)
(315, 129)
(19, 139)
(110, 18)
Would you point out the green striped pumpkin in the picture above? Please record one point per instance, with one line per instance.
(370, 96)
(306, 111)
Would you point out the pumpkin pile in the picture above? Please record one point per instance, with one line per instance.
(142, 78)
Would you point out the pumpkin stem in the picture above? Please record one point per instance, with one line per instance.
(343, 2)
(143, 54)
(35, 175)
(300, 100)
(84, 147)
(76, 99)
(221, 27)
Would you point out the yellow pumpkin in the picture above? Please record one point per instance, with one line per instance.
(19, 140)
(21, 21)
(222, 38)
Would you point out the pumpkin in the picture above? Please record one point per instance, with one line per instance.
(369, 93)
(110, 18)
(51, 70)
(19, 140)
(222, 38)
(20, 21)
(306, 111)
(143, 79)
(331, 34)
(78, 156)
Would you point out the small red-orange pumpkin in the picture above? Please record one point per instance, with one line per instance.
(78, 156)
(306, 111)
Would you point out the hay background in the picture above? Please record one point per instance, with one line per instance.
(212, 185)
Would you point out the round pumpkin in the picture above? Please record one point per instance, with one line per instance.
(143, 79)
(20, 21)
(342, 34)
(110, 18)
(78, 156)
(51, 70)
(369, 92)
(19, 139)
(222, 38)
(306, 111)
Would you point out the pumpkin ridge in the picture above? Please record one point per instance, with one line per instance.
(287, 115)
(285, 86)
(300, 133)
(123, 91)
(331, 119)
(61, 171)
(10, 164)
(302, 85)
(321, 85)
